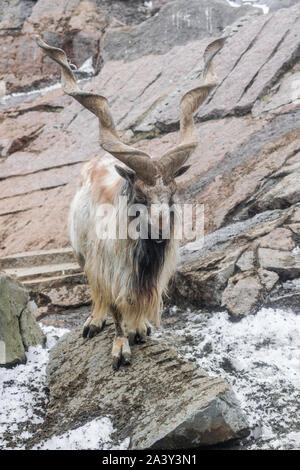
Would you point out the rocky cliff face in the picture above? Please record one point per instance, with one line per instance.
(245, 170)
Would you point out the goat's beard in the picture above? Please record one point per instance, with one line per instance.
(148, 259)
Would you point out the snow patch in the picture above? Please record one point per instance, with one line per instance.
(264, 8)
(22, 392)
(91, 436)
(260, 357)
(15, 99)
(233, 4)
(87, 67)
(23, 400)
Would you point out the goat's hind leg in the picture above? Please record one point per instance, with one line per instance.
(95, 322)
(121, 352)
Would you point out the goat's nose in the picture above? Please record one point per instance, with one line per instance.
(160, 217)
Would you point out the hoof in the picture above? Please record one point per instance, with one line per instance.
(85, 331)
(136, 338)
(123, 360)
(131, 338)
(116, 363)
(121, 353)
(126, 361)
(91, 330)
(140, 338)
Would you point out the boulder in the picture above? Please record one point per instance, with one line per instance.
(284, 263)
(246, 291)
(279, 238)
(160, 401)
(246, 261)
(242, 294)
(18, 328)
(177, 23)
(232, 269)
(67, 296)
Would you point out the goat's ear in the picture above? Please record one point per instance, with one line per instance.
(128, 175)
(181, 170)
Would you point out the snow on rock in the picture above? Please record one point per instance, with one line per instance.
(87, 67)
(260, 358)
(22, 392)
(23, 397)
(91, 436)
(16, 98)
(264, 8)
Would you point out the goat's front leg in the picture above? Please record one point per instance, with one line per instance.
(95, 322)
(121, 352)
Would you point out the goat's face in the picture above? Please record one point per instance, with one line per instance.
(153, 204)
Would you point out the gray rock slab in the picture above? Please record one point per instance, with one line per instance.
(285, 263)
(177, 23)
(160, 401)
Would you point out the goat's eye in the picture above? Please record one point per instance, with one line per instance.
(140, 199)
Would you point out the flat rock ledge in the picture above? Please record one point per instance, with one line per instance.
(160, 401)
